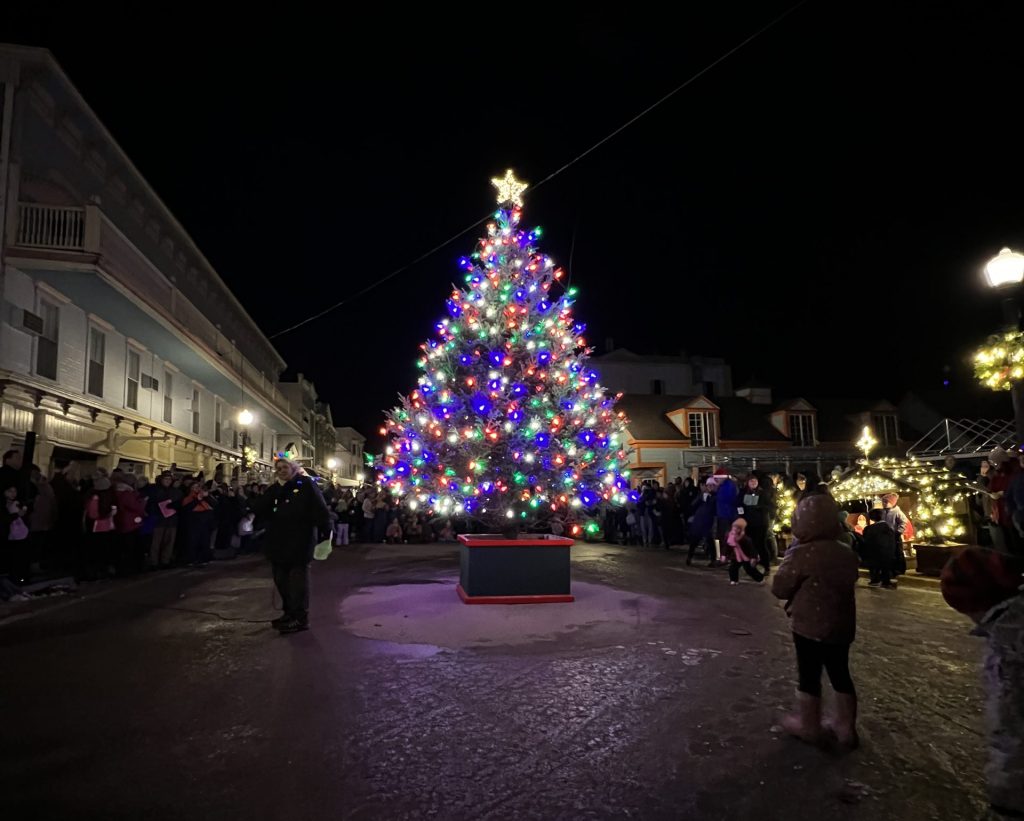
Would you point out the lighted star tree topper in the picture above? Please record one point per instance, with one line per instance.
(508, 424)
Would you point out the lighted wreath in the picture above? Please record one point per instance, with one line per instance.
(1000, 362)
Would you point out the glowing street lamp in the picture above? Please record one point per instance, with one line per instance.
(1005, 268)
(866, 443)
(245, 418)
(1005, 272)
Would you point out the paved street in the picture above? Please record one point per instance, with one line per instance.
(653, 696)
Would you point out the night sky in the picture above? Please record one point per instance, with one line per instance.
(817, 208)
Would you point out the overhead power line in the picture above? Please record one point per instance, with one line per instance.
(549, 177)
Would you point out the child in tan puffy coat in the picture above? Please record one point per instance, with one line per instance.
(817, 580)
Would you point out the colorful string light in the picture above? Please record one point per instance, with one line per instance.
(507, 422)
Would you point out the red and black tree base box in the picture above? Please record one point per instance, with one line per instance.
(533, 569)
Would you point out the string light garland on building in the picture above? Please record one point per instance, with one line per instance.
(1000, 362)
(508, 423)
(937, 491)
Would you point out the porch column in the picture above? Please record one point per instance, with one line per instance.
(44, 447)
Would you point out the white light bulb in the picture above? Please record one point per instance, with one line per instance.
(413, 504)
(509, 514)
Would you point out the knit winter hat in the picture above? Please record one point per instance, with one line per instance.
(998, 456)
(722, 471)
(979, 579)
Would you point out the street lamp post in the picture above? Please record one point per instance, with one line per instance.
(244, 420)
(1005, 272)
(332, 464)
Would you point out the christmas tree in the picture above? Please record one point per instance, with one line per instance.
(508, 425)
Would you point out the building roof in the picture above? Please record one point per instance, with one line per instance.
(754, 382)
(971, 401)
(837, 417)
(54, 81)
(647, 419)
(743, 421)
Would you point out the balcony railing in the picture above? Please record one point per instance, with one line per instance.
(51, 226)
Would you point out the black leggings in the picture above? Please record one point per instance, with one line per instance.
(812, 655)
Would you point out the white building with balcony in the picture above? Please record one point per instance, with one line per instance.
(351, 470)
(119, 342)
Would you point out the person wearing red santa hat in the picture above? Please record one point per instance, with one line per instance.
(726, 503)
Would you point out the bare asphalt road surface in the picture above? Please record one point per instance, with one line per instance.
(654, 696)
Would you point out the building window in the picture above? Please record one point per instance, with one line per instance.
(261, 443)
(885, 428)
(168, 397)
(195, 410)
(218, 412)
(97, 356)
(657, 386)
(132, 373)
(702, 430)
(801, 429)
(46, 349)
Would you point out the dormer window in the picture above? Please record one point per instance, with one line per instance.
(886, 429)
(801, 429)
(703, 432)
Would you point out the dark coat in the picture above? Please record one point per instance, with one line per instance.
(878, 546)
(296, 515)
(703, 516)
(755, 509)
(157, 493)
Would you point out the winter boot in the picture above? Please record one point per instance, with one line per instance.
(806, 724)
(844, 724)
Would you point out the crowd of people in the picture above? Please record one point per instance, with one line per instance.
(114, 523)
(111, 523)
(736, 521)
(373, 516)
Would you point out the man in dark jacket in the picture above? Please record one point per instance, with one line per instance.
(296, 519)
(163, 500)
(702, 525)
(878, 549)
